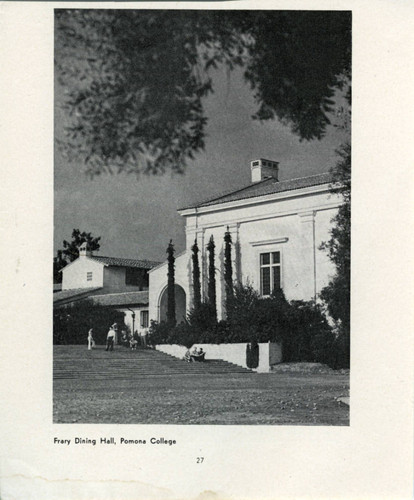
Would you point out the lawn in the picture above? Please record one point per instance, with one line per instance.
(295, 398)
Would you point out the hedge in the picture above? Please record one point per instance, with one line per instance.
(72, 323)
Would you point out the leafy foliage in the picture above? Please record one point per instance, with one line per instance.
(135, 79)
(70, 251)
(202, 317)
(337, 294)
(301, 327)
(308, 336)
(72, 323)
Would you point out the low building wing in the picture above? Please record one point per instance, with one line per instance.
(122, 299)
(120, 262)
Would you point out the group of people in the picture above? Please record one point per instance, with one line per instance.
(197, 354)
(133, 340)
(129, 340)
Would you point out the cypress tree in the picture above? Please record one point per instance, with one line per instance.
(196, 276)
(171, 319)
(228, 268)
(212, 278)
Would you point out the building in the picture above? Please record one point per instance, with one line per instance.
(277, 228)
(113, 282)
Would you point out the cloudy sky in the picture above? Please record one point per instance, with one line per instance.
(136, 217)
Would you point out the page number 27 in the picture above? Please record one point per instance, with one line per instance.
(200, 460)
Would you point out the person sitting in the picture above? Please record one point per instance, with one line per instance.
(187, 356)
(124, 338)
(133, 342)
(198, 354)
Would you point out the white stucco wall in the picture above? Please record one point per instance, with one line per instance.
(233, 353)
(293, 223)
(75, 274)
(128, 317)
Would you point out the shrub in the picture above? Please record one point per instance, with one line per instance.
(202, 317)
(308, 335)
(158, 332)
(253, 318)
(72, 323)
(300, 326)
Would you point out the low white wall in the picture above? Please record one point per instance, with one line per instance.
(233, 353)
(275, 353)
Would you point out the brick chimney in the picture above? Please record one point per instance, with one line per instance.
(263, 169)
(84, 250)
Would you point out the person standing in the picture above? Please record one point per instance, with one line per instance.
(110, 338)
(91, 342)
(144, 335)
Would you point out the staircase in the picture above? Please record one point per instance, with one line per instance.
(76, 362)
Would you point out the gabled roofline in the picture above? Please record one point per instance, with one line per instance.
(255, 200)
(96, 258)
(215, 201)
(226, 193)
(83, 257)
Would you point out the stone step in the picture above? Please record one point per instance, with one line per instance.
(122, 363)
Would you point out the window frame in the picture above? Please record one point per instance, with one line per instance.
(144, 314)
(270, 266)
(89, 275)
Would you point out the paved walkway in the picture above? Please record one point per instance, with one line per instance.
(125, 387)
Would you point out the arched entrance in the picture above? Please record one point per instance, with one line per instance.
(180, 304)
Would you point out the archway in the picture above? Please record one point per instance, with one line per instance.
(180, 304)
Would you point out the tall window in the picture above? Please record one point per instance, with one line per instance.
(89, 276)
(144, 319)
(269, 272)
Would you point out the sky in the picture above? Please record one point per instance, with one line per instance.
(136, 217)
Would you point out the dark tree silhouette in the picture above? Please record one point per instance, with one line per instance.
(212, 278)
(171, 319)
(196, 276)
(228, 268)
(337, 294)
(134, 80)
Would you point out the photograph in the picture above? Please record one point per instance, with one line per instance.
(200, 298)
(202, 217)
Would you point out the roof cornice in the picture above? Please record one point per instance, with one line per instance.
(82, 257)
(256, 200)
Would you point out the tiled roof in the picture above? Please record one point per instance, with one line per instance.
(122, 299)
(74, 293)
(266, 187)
(102, 296)
(116, 261)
